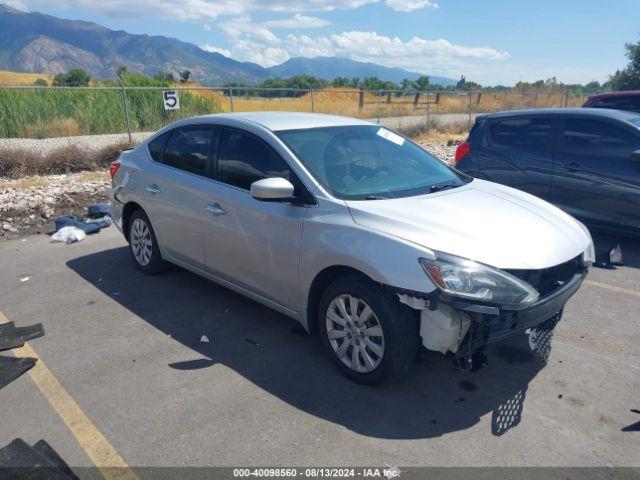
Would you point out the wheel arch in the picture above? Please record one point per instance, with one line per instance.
(321, 281)
(127, 211)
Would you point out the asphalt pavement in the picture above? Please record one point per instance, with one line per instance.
(127, 351)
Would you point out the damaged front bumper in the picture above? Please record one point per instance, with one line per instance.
(464, 328)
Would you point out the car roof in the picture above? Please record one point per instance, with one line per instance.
(629, 93)
(276, 121)
(583, 112)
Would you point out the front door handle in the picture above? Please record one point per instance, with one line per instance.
(153, 188)
(215, 208)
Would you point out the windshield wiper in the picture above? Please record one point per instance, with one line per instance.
(375, 197)
(442, 186)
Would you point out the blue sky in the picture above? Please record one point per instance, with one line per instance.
(490, 41)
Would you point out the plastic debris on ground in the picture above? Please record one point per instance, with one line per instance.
(69, 235)
(24, 279)
(204, 339)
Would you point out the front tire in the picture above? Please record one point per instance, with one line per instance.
(366, 331)
(143, 245)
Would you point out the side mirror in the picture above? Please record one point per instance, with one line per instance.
(272, 190)
(635, 156)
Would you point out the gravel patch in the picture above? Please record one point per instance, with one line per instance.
(444, 151)
(29, 206)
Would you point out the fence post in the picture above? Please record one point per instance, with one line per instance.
(566, 99)
(231, 98)
(379, 104)
(126, 110)
(469, 111)
(428, 111)
(313, 102)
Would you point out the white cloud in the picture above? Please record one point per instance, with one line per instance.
(211, 48)
(17, 4)
(436, 57)
(297, 21)
(206, 26)
(200, 10)
(410, 5)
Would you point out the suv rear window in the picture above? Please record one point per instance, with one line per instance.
(525, 133)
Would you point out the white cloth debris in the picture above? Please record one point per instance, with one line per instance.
(68, 235)
(24, 279)
(204, 339)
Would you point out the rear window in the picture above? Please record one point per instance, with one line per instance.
(524, 133)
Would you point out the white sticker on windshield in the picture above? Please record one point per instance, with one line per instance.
(392, 137)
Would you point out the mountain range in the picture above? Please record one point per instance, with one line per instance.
(37, 43)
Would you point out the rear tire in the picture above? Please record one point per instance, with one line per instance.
(367, 332)
(143, 245)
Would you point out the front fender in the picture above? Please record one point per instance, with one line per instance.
(332, 238)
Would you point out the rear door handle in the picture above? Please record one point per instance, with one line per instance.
(215, 209)
(153, 188)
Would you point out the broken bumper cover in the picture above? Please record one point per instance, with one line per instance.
(491, 323)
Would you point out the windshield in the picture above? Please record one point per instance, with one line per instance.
(636, 121)
(368, 162)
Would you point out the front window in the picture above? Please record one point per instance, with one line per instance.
(369, 162)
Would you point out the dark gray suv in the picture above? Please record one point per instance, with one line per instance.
(585, 161)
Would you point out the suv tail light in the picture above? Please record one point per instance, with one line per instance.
(461, 151)
(113, 168)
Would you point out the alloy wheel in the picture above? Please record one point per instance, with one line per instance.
(355, 333)
(141, 242)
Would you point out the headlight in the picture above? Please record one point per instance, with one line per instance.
(468, 279)
(589, 255)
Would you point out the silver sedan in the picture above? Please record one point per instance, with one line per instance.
(354, 231)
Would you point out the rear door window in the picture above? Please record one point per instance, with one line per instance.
(245, 159)
(588, 137)
(524, 133)
(189, 149)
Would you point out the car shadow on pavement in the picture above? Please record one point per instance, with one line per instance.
(274, 352)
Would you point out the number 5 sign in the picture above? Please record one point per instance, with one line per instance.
(171, 99)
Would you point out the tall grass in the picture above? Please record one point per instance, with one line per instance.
(44, 112)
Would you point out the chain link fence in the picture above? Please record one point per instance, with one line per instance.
(46, 112)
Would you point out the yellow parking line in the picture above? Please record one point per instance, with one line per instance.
(102, 454)
(633, 293)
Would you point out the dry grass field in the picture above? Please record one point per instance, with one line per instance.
(16, 78)
(348, 102)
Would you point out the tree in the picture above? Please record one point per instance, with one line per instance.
(185, 75)
(121, 71)
(629, 77)
(423, 83)
(73, 78)
(41, 82)
(340, 82)
(165, 76)
(406, 84)
(462, 83)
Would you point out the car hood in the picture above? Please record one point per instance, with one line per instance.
(482, 221)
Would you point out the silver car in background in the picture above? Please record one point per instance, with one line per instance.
(352, 230)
